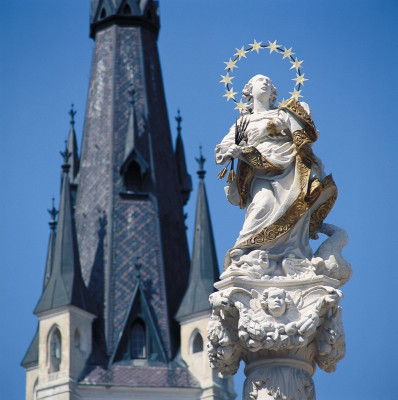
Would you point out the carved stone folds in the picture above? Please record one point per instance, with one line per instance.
(280, 319)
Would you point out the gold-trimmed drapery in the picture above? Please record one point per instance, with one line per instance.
(310, 189)
(253, 160)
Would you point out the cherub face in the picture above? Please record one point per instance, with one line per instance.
(276, 302)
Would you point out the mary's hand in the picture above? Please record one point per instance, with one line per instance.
(276, 126)
(234, 151)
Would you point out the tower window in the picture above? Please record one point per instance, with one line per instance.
(138, 348)
(197, 343)
(103, 13)
(127, 10)
(55, 350)
(133, 178)
(77, 339)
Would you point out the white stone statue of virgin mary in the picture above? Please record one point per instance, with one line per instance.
(279, 180)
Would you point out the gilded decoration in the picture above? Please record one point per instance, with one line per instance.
(253, 160)
(310, 190)
(243, 180)
(271, 128)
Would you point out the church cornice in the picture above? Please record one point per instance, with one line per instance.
(61, 310)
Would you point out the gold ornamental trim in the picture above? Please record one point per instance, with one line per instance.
(287, 221)
(301, 138)
(298, 208)
(282, 226)
(243, 180)
(255, 159)
(271, 128)
(298, 110)
(304, 172)
(319, 215)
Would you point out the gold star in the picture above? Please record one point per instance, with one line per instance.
(282, 102)
(287, 53)
(230, 64)
(255, 46)
(230, 94)
(272, 47)
(241, 106)
(241, 52)
(296, 94)
(299, 79)
(296, 64)
(226, 79)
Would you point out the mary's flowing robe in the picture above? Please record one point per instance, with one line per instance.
(280, 182)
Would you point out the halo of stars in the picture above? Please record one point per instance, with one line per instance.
(257, 47)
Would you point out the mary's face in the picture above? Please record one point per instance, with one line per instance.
(262, 88)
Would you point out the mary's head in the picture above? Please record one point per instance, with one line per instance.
(261, 89)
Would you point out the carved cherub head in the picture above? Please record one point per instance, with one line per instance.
(275, 301)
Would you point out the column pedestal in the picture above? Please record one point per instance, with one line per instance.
(281, 327)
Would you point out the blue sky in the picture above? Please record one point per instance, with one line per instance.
(350, 53)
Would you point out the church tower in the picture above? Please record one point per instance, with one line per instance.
(118, 261)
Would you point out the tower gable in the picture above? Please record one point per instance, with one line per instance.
(139, 314)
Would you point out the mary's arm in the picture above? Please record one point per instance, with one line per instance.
(301, 127)
(227, 149)
(290, 122)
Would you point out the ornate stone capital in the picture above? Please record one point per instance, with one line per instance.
(282, 326)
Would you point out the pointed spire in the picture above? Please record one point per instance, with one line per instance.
(183, 177)
(204, 268)
(65, 155)
(72, 147)
(179, 120)
(51, 244)
(201, 162)
(65, 285)
(53, 214)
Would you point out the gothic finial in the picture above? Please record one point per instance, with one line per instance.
(53, 214)
(178, 119)
(201, 162)
(66, 155)
(72, 114)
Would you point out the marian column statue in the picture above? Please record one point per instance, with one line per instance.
(277, 304)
